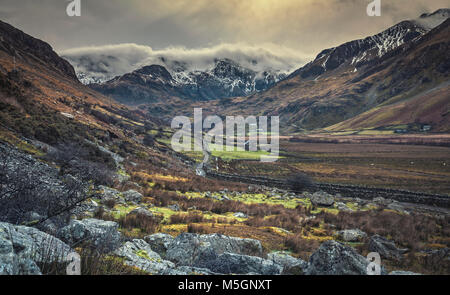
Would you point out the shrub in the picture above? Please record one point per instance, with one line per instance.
(299, 182)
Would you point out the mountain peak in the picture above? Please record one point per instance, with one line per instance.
(429, 21)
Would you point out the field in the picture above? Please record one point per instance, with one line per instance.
(410, 167)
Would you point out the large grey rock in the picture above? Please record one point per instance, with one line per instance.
(198, 250)
(221, 244)
(101, 235)
(141, 211)
(351, 235)
(386, 248)
(159, 242)
(240, 215)
(322, 199)
(334, 258)
(188, 250)
(397, 207)
(109, 194)
(132, 196)
(403, 273)
(382, 201)
(187, 270)
(291, 265)
(138, 253)
(229, 263)
(343, 207)
(22, 248)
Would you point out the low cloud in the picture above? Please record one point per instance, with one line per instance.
(105, 62)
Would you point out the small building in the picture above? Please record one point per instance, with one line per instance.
(400, 131)
(426, 128)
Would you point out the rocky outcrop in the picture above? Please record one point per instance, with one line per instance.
(386, 248)
(322, 199)
(291, 265)
(351, 235)
(229, 263)
(101, 235)
(403, 273)
(141, 212)
(138, 253)
(23, 248)
(108, 194)
(132, 196)
(198, 250)
(334, 258)
(159, 242)
(218, 253)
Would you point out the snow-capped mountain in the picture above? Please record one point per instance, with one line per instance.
(397, 77)
(225, 79)
(360, 52)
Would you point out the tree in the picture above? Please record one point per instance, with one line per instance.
(299, 182)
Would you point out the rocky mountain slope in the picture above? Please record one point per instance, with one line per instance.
(156, 83)
(406, 64)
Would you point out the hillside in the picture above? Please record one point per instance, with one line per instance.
(399, 76)
(44, 106)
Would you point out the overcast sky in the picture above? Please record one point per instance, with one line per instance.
(307, 26)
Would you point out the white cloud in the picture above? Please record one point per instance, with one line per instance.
(108, 61)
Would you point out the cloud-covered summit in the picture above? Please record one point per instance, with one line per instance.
(102, 63)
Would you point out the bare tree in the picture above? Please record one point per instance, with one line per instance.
(26, 186)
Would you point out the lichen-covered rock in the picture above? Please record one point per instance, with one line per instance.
(187, 270)
(132, 196)
(22, 248)
(99, 234)
(240, 215)
(403, 273)
(138, 253)
(334, 258)
(291, 265)
(386, 248)
(351, 235)
(198, 250)
(343, 207)
(229, 263)
(322, 199)
(221, 244)
(159, 242)
(141, 211)
(108, 194)
(188, 250)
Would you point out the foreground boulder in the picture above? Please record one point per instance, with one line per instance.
(220, 254)
(110, 195)
(221, 244)
(132, 196)
(194, 250)
(138, 253)
(291, 265)
(159, 242)
(403, 273)
(141, 212)
(386, 248)
(229, 263)
(334, 258)
(22, 248)
(351, 235)
(188, 250)
(101, 235)
(322, 199)
(187, 270)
